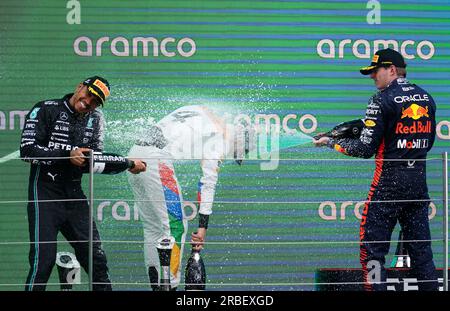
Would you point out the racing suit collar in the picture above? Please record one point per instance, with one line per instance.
(394, 83)
(66, 99)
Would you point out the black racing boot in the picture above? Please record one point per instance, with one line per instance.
(153, 277)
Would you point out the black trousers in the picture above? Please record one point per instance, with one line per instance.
(46, 219)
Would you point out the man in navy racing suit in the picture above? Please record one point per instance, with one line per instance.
(66, 127)
(400, 129)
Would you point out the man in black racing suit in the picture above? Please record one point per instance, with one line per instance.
(400, 129)
(68, 128)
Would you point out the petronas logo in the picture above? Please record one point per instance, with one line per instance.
(33, 114)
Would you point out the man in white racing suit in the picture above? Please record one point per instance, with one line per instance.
(188, 133)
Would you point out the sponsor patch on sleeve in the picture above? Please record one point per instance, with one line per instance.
(370, 123)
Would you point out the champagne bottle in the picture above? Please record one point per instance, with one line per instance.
(164, 247)
(195, 274)
(349, 129)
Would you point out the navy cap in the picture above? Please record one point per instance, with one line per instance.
(384, 58)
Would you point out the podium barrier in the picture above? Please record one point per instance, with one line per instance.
(341, 279)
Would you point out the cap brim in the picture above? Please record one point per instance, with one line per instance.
(93, 92)
(99, 99)
(367, 70)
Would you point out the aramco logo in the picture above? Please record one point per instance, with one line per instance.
(361, 48)
(137, 46)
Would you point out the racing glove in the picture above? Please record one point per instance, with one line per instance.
(109, 163)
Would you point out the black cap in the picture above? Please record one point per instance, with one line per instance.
(98, 87)
(384, 58)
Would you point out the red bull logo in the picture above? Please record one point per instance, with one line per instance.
(416, 127)
(415, 112)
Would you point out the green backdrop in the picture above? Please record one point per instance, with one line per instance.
(270, 230)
